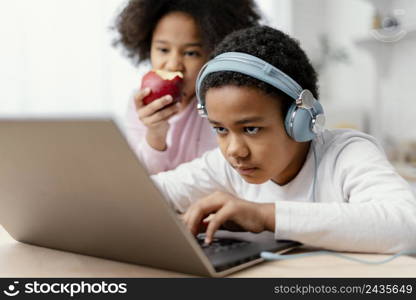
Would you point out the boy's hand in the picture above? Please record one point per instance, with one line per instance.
(221, 208)
(155, 117)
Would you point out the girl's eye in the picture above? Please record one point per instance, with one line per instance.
(192, 53)
(220, 130)
(251, 130)
(163, 50)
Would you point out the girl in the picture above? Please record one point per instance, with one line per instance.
(176, 35)
(277, 169)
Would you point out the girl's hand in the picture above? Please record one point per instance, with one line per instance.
(220, 209)
(155, 117)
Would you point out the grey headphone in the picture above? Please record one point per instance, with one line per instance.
(305, 117)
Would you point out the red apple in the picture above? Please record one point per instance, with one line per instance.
(162, 83)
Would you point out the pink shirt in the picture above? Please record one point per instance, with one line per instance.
(189, 136)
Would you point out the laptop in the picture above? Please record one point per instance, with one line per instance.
(74, 184)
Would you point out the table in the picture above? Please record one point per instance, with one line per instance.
(22, 260)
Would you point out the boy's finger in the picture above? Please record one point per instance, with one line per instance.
(205, 207)
(208, 219)
(194, 221)
(220, 217)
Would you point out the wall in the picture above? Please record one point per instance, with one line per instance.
(373, 92)
(56, 57)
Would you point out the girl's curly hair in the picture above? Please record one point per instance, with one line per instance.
(215, 18)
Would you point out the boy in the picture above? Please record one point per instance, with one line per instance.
(276, 168)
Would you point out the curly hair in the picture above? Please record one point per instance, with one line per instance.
(215, 19)
(273, 46)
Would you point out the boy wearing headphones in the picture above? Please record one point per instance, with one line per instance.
(276, 168)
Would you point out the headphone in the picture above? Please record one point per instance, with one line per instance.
(305, 117)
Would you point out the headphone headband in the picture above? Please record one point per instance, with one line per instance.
(249, 65)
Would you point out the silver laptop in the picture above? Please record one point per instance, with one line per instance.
(75, 185)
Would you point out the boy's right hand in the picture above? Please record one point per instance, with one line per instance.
(155, 117)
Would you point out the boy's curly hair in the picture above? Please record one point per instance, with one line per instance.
(215, 18)
(273, 46)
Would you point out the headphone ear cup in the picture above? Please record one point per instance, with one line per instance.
(298, 124)
(288, 118)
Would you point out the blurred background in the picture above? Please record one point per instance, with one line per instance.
(56, 57)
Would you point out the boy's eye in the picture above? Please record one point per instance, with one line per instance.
(220, 130)
(251, 130)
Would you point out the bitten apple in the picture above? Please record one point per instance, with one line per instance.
(162, 83)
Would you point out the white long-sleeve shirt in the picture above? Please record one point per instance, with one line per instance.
(360, 202)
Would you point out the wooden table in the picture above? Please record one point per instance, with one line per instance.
(22, 260)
